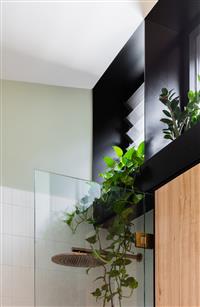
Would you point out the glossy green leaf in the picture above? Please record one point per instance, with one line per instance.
(127, 213)
(140, 149)
(166, 113)
(171, 94)
(118, 206)
(70, 217)
(113, 273)
(128, 155)
(132, 282)
(166, 121)
(96, 293)
(191, 95)
(137, 198)
(174, 104)
(92, 239)
(118, 151)
(164, 91)
(168, 137)
(109, 161)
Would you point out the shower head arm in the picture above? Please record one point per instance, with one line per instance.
(86, 251)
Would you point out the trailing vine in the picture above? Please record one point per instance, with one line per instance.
(118, 191)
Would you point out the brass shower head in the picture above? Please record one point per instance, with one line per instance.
(79, 257)
(82, 257)
(73, 259)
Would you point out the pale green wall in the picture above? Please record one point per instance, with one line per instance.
(45, 127)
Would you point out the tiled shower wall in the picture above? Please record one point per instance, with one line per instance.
(55, 285)
(17, 248)
(66, 286)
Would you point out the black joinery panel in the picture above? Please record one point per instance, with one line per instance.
(195, 58)
(167, 52)
(167, 30)
(177, 15)
(122, 78)
(162, 69)
(177, 157)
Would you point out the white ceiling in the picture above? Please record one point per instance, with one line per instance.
(66, 43)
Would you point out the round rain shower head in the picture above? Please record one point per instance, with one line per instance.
(74, 259)
(83, 258)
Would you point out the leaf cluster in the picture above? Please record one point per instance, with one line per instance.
(192, 109)
(118, 192)
(120, 243)
(121, 171)
(176, 119)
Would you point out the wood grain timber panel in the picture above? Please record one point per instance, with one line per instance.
(177, 241)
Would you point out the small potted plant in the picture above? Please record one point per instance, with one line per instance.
(177, 120)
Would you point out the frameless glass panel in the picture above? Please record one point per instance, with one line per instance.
(149, 257)
(62, 285)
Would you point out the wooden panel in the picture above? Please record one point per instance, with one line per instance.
(177, 241)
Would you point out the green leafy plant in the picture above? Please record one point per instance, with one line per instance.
(178, 120)
(121, 172)
(119, 192)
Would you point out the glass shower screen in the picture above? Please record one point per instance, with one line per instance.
(61, 257)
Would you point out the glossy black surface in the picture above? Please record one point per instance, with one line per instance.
(167, 30)
(118, 83)
(171, 161)
(102, 214)
(177, 15)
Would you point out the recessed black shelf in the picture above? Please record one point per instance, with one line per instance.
(102, 215)
(177, 157)
(171, 161)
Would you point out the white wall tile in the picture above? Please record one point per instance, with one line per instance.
(6, 301)
(61, 289)
(17, 220)
(23, 302)
(16, 302)
(17, 241)
(17, 197)
(18, 282)
(17, 251)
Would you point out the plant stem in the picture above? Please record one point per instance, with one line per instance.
(176, 131)
(99, 257)
(99, 239)
(111, 293)
(105, 272)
